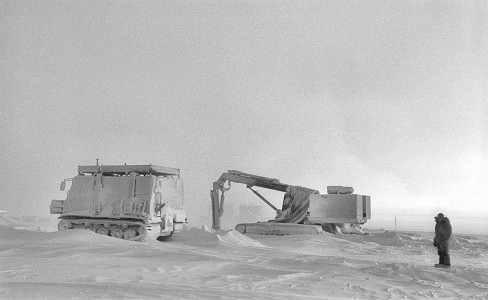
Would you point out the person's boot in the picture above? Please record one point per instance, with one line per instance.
(441, 260)
(447, 261)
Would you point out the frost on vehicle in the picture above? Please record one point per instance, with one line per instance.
(304, 210)
(124, 201)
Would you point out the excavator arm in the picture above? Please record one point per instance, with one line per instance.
(223, 184)
(304, 210)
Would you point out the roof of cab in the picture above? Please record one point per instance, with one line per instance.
(127, 169)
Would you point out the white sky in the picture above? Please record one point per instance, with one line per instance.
(388, 97)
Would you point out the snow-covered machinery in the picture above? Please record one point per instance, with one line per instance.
(124, 201)
(304, 210)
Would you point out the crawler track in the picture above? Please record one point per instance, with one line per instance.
(270, 228)
(122, 229)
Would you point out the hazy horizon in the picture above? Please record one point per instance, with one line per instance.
(387, 97)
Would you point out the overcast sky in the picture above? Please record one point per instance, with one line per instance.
(389, 97)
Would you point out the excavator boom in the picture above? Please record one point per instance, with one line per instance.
(250, 180)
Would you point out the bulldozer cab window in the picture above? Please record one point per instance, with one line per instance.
(82, 185)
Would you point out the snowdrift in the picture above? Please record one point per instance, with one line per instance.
(209, 237)
(200, 263)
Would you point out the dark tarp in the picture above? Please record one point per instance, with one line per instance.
(295, 205)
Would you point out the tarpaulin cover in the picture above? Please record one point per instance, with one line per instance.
(295, 205)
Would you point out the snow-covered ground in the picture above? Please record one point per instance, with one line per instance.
(201, 264)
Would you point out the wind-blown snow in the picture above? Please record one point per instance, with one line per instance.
(200, 263)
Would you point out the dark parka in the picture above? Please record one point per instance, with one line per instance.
(443, 231)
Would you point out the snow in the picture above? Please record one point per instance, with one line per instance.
(200, 263)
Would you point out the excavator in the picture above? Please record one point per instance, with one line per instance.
(303, 211)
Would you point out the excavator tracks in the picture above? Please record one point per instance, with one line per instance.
(272, 228)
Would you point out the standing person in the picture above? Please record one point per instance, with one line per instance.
(443, 232)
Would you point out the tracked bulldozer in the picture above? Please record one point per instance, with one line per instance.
(303, 211)
(129, 202)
